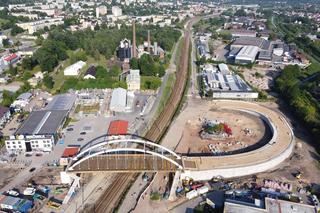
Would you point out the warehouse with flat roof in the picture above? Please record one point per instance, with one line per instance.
(247, 55)
(118, 100)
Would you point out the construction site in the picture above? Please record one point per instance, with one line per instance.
(231, 130)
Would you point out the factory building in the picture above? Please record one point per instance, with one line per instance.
(243, 33)
(74, 69)
(118, 100)
(133, 80)
(261, 43)
(225, 85)
(40, 130)
(247, 55)
(124, 50)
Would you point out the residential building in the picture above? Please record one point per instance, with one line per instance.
(116, 11)
(90, 73)
(34, 26)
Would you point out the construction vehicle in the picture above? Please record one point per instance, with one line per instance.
(54, 204)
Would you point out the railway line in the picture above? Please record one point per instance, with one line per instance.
(122, 181)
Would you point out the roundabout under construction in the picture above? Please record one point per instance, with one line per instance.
(266, 153)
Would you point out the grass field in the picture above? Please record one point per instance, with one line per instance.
(150, 82)
(2, 22)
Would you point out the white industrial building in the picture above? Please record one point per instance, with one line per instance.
(74, 69)
(225, 85)
(247, 55)
(224, 69)
(118, 100)
(133, 80)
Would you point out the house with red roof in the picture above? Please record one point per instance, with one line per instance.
(11, 59)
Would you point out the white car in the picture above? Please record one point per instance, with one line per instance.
(29, 191)
(13, 193)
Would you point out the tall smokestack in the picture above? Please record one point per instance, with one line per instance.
(134, 45)
(149, 42)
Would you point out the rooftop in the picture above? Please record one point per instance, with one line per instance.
(252, 41)
(272, 206)
(91, 71)
(3, 111)
(248, 52)
(70, 151)
(61, 102)
(44, 122)
(118, 127)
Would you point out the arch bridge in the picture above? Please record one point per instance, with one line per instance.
(124, 153)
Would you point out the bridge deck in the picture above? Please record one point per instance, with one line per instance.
(125, 163)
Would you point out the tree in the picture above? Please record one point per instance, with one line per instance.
(162, 71)
(240, 13)
(13, 71)
(15, 30)
(48, 81)
(115, 71)
(26, 75)
(6, 42)
(7, 98)
(134, 63)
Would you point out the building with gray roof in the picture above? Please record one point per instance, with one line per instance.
(227, 85)
(261, 43)
(40, 130)
(62, 102)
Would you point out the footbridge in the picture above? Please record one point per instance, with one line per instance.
(124, 153)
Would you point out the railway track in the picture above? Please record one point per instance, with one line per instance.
(114, 190)
(110, 199)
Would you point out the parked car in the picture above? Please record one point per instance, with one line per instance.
(13, 193)
(32, 169)
(80, 139)
(83, 133)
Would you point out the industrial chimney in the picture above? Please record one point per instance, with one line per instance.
(134, 45)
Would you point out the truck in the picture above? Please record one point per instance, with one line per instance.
(192, 194)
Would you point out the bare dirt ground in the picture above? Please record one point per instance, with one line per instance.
(7, 174)
(261, 77)
(191, 141)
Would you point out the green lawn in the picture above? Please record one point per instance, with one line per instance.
(150, 82)
(3, 21)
